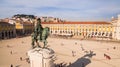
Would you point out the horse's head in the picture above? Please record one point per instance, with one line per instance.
(47, 29)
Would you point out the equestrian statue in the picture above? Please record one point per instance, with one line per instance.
(39, 34)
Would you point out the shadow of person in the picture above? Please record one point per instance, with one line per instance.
(83, 61)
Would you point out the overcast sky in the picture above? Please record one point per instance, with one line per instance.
(76, 10)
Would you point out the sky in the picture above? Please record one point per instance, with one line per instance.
(73, 10)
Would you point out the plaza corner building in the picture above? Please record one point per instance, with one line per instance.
(10, 28)
(86, 29)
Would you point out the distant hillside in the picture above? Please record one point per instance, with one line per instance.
(24, 16)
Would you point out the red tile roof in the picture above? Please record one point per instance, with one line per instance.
(84, 22)
(5, 23)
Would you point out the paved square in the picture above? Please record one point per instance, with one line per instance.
(69, 52)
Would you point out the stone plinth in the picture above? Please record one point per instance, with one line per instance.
(40, 57)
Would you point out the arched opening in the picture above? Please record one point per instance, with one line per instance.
(60, 32)
(6, 34)
(110, 35)
(9, 34)
(55, 31)
(12, 34)
(51, 32)
(2, 35)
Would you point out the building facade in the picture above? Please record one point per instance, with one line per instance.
(23, 28)
(116, 26)
(82, 29)
(10, 28)
(98, 29)
(7, 30)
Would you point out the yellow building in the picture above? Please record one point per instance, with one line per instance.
(23, 28)
(7, 30)
(12, 28)
(82, 29)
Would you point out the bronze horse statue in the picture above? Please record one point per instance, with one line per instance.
(40, 37)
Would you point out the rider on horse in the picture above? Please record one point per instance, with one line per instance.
(36, 35)
(39, 34)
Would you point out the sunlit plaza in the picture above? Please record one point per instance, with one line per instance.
(69, 52)
(59, 33)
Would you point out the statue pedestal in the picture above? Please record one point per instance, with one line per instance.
(40, 57)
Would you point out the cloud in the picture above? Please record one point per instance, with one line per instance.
(67, 9)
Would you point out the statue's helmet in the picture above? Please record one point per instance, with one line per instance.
(39, 20)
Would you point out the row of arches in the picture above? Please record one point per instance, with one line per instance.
(14, 33)
(21, 32)
(89, 34)
(7, 34)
